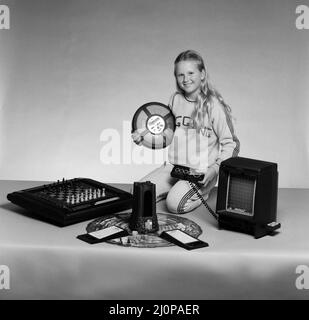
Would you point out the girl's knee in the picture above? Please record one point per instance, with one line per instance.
(179, 198)
(181, 206)
(172, 204)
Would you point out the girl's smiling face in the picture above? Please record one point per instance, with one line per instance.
(189, 78)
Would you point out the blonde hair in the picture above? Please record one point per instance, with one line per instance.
(207, 91)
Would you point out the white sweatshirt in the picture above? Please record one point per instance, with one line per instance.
(215, 142)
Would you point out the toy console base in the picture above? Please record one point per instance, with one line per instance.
(249, 227)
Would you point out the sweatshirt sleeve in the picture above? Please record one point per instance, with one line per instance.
(224, 129)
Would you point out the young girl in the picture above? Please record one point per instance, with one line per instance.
(203, 138)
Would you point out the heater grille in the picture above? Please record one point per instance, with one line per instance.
(241, 194)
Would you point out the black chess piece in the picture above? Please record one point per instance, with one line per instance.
(144, 216)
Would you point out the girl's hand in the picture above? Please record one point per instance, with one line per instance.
(210, 175)
(137, 138)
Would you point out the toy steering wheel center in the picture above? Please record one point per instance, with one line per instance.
(155, 124)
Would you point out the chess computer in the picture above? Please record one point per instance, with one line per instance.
(71, 201)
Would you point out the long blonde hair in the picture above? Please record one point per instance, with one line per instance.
(207, 91)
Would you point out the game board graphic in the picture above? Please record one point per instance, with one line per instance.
(151, 240)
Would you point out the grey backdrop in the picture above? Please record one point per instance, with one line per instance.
(72, 69)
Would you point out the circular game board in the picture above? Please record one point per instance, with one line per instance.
(150, 240)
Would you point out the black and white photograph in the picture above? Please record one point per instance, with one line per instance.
(154, 154)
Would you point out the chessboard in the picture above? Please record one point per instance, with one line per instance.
(149, 240)
(67, 202)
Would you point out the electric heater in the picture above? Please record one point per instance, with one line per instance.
(247, 196)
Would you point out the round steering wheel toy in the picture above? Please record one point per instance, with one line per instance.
(155, 122)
